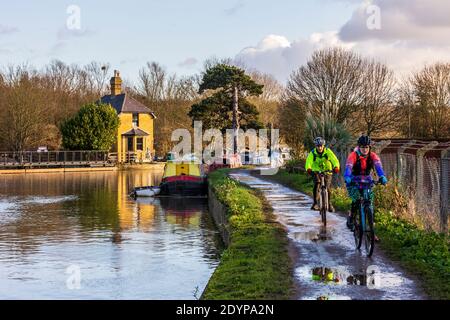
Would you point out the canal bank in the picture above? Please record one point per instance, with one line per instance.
(256, 263)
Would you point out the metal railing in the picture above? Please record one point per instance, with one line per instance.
(130, 157)
(53, 158)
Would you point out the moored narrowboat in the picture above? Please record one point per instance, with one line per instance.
(184, 178)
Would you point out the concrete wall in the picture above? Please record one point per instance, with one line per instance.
(219, 213)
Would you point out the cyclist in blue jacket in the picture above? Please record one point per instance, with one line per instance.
(359, 167)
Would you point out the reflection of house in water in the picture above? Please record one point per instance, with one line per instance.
(136, 214)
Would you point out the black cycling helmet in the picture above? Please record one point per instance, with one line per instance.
(319, 141)
(364, 141)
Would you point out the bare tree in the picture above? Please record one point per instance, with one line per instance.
(377, 111)
(61, 77)
(23, 110)
(329, 85)
(155, 84)
(425, 98)
(432, 91)
(406, 106)
(292, 125)
(97, 76)
(273, 90)
(268, 104)
(152, 81)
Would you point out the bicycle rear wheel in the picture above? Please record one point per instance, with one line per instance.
(369, 235)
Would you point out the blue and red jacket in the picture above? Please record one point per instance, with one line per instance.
(359, 168)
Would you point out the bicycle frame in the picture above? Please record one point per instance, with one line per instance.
(365, 201)
(323, 196)
(322, 188)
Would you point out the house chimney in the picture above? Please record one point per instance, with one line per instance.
(116, 84)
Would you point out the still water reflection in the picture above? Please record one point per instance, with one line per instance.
(79, 236)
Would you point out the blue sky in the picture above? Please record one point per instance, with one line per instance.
(129, 33)
(273, 36)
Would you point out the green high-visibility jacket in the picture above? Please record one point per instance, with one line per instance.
(326, 161)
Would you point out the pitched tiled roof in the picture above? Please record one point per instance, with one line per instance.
(123, 103)
(136, 132)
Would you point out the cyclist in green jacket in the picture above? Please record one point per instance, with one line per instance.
(321, 159)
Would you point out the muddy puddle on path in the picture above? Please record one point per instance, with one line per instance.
(328, 266)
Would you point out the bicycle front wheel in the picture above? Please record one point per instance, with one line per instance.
(358, 231)
(324, 206)
(369, 235)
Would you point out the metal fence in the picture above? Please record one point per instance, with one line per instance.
(422, 178)
(445, 192)
(421, 168)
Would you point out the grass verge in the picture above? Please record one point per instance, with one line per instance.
(423, 253)
(256, 264)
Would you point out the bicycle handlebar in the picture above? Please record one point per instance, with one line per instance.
(365, 183)
(326, 171)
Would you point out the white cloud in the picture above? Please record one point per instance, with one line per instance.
(278, 56)
(413, 33)
(7, 29)
(189, 62)
(424, 20)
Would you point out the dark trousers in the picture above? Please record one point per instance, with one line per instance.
(316, 191)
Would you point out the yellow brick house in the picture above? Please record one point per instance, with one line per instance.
(135, 140)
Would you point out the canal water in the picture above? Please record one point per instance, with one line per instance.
(79, 236)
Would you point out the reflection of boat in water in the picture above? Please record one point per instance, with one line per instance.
(146, 191)
(183, 210)
(184, 178)
(147, 201)
(183, 206)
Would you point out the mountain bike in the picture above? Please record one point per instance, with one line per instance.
(364, 219)
(323, 199)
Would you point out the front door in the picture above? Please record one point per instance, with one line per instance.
(130, 144)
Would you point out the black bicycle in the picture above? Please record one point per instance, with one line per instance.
(364, 219)
(323, 199)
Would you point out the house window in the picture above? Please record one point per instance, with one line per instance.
(140, 144)
(135, 119)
